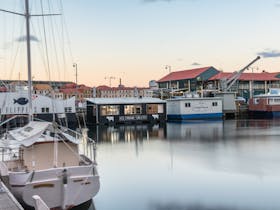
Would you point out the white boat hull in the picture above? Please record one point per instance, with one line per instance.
(78, 185)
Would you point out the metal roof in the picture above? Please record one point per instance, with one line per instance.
(185, 74)
(128, 100)
(263, 76)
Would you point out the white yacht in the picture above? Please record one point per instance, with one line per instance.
(42, 159)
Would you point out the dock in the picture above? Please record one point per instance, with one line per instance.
(7, 200)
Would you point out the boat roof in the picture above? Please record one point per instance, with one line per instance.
(131, 100)
(33, 132)
(193, 99)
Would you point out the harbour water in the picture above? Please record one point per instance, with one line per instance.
(216, 165)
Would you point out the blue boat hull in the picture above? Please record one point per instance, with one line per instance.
(194, 116)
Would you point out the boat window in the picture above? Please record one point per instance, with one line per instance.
(132, 109)
(68, 109)
(256, 100)
(152, 109)
(47, 109)
(215, 103)
(43, 110)
(109, 110)
(188, 104)
(160, 108)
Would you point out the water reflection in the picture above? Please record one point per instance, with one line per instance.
(217, 165)
(176, 206)
(199, 130)
(127, 133)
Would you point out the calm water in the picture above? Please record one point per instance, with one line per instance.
(218, 165)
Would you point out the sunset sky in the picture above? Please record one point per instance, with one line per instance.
(135, 39)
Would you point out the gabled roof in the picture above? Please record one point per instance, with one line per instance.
(263, 76)
(185, 74)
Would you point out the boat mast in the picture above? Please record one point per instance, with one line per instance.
(27, 18)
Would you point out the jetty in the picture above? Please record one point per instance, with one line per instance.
(7, 200)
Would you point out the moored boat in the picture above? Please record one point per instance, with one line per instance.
(191, 108)
(43, 158)
(265, 105)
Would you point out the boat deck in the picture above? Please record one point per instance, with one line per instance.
(7, 200)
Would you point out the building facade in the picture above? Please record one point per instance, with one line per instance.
(121, 92)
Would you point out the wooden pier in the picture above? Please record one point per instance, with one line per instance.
(7, 200)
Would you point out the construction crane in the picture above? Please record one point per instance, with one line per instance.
(110, 80)
(226, 84)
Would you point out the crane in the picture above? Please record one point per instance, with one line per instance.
(226, 84)
(110, 79)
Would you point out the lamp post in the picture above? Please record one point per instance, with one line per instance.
(76, 75)
(168, 67)
(252, 82)
(76, 72)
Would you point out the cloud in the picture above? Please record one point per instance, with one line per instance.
(195, 64)
(23, 39)
(269, 53)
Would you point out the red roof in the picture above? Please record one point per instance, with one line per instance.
(263, 76)
(68, 85)
(185, 74)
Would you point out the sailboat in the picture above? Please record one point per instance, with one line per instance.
(43, 159)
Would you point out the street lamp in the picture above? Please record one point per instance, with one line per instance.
(76, 70)
(167, 67)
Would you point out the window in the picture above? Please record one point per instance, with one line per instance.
(256, 101)
(43, 109)
(47, 109)
(109, 110)
(215, 103)
(67, 109)
(188, 104)
(154, 108)
(132, 109)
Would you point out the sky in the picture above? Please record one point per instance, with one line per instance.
(136, 39)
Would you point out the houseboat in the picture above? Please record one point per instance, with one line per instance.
(193, 108)
(265, 105)
(17, 103)
(125, 110)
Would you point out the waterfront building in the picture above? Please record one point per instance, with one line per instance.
(249, 84)
(47, 90)
(125, 110)
(79, 91)
(209, 78)
(187, 80)
(121, 92)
